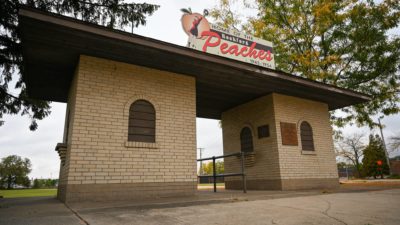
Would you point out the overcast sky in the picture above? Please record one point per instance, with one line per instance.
(15, 137)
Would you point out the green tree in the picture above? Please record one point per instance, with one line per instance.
(110, 13)
(44, 183)
(14, 171)
(342, 165)
(208, 168)
(373, 153)
(344, 43)
(36, 184)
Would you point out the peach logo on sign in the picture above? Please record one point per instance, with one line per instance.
(194, 24)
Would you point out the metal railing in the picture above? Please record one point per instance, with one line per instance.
(215, 175)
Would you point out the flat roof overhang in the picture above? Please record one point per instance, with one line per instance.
(52, 45)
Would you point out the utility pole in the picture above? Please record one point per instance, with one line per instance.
(132, 23)
(201, 163)
(384, 146)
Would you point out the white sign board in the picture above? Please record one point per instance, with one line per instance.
(216, 40)
(234, 45)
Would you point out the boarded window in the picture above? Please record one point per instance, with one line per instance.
(246, 140)
(306, 135)
(142, 122)
(263, 131)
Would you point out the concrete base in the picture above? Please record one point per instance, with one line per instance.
(254, 185)
(285, 184)
(116, 192)
(310, 183)
(61, 192)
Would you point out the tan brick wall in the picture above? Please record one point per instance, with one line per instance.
(280, 166)
(252, 114)
(69, 120)
(98, 151)
(294, 163)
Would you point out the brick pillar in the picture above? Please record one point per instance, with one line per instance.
(279, 160)
(101, 164)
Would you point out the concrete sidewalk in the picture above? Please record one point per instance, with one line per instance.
(275, 207)
(36, 211)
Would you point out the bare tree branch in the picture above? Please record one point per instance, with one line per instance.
(351, 148)
(394, 143)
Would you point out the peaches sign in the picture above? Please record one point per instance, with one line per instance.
(216, 40)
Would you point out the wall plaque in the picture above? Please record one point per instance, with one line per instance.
(289, 134)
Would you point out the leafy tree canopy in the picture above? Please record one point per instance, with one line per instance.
(207, 168)
(45, 183)
(110, 13)
(14, 171)
(344, 43)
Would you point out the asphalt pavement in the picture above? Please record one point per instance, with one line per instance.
(312, 207)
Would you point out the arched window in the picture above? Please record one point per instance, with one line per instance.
(142, 122)
(306, 135)
(246, 140)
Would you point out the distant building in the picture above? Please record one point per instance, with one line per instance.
(395, 165)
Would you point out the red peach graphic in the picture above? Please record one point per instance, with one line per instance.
(194, 23)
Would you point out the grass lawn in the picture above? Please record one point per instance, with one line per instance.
(20, 193)
(218, 184)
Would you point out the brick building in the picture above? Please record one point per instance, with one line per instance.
(132, 102)
(395, 165)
